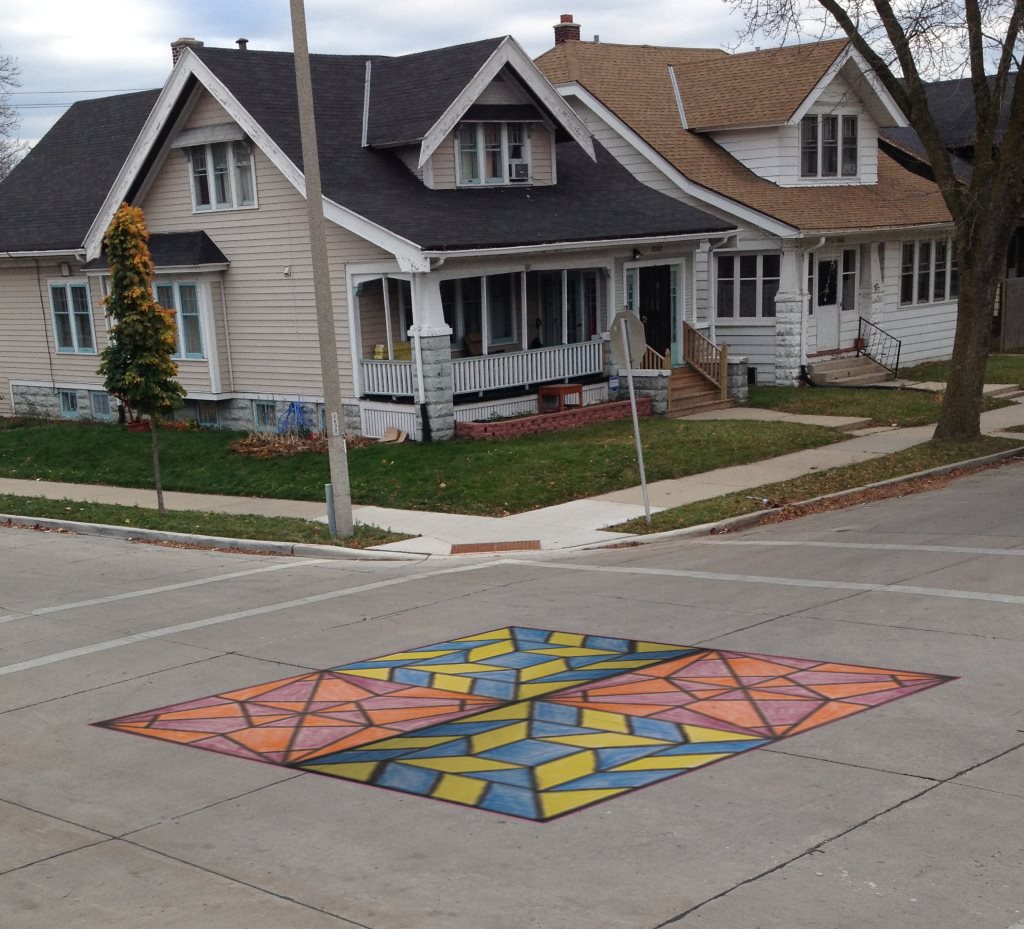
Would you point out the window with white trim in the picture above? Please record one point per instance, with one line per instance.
(928, 272)
(828, 146)
(492, 153)
(747, 285)
(183, 301)
(72, 318)
(222, 176)
(100, 403)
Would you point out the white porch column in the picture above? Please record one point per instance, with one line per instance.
(433, 355)
(876, 305)
(790, 318)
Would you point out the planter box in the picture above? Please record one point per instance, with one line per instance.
(551, 422)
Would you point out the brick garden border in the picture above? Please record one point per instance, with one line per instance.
(550, 422)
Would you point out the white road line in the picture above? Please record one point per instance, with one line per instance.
(228, 617)
(780, 581)
(150, 591)
(948, 549)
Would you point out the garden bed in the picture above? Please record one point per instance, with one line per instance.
(550, 422)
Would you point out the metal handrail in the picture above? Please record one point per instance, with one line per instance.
(880, 346)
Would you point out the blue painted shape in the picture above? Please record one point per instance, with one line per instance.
(465, 727)
(610, 757)
(529, 634)
(411, 676)
(353, 755)
(501, 690)
(601, 641)
(529, 752)
(410, 779)
(518, 660)
(555, 713)
(656, 729)
(517, 777)
(501, 798)
(714, 748)
(611, 780)
(450, 749)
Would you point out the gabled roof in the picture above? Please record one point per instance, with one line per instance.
(409, 94)
(632, 82)
(50, 200)
(952, 107)
(175, 250)
(375, 184)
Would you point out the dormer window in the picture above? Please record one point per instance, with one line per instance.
(222, 176)
(492, 153)
(828, 146)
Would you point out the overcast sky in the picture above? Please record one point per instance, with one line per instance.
(68, 50)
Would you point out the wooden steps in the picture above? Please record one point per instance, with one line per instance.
(849, 371)
(690, 392)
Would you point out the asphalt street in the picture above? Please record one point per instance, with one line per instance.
(909, 815)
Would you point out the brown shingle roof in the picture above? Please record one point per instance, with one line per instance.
(633, 82)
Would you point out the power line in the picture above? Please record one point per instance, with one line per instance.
(108, 90)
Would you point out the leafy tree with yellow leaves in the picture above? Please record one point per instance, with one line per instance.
(137, 364)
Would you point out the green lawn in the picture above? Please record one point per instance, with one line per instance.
(485, 478)
(1003, 368)
(226, 525)
(885, 407)
(818, 483)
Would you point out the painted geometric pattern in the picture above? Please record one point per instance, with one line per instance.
(536, 760)
(526, 722)
(287, 720)
(515, 663)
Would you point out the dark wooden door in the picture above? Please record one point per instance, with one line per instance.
(655, 305)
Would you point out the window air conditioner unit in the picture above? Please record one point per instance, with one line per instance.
(518, 171)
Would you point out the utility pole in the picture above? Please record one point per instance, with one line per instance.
(339, 500)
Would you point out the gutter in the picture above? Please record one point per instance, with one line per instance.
(77, 253)
(572, 246)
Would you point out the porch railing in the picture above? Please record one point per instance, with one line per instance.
(708, 359)
(387, 378)
(517, 369)
(880, 346)
(655, 361)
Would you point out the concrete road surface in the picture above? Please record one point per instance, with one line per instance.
(909, 815)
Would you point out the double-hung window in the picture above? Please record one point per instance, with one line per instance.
(492, 153)
(72, 318)
(828, 146)
(222, 176)
(928, 272)
(747, 285)
(183, 301)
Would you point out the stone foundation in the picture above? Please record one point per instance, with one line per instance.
(737, 383)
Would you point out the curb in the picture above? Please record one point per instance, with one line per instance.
(300, 549)
(753, 519)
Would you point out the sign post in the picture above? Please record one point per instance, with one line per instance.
(628, 343)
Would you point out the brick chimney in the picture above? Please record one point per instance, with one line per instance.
(179, 45)
(566, 30)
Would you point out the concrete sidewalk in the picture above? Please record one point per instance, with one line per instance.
(567, 525)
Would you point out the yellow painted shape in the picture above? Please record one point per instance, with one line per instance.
(599, 719)
(505, 633)
(701, 734)
(526, 691)
(566, 638)
(459, 789)
(511, 711)
(542, 670)
(458, 763)
(484, 741)
(604, 740)
(456, 667)
(483, 652)
(561, 770)
(462, 685)
(571, 652)
(354, 771)
(374, 674)
(562, 801)
(654, 647)
(669, 762)
(414, 656)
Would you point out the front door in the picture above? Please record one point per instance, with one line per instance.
(826, 302)
(654, 305)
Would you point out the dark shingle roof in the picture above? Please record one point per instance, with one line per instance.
(175, 250)
(952, 107)
(905, 145)
(50, 200)
(591, 201)
(410, 93)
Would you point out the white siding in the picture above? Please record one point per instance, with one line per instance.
(504, 90)
(442, 162)
(270, 313)
(765, 151)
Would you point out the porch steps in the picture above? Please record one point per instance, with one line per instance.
(690, 392)
(856, 371)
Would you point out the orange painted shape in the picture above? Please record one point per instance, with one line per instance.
(361, 737)
(248, 693)
(634, 687)
(670, 667)
(275, 739)
(335, 691)
(757, 667)
(171, 735)
(400, 714)
(222, 711)
(838, 691)
(827, 713)
(738, 712)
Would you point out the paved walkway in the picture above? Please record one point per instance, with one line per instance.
(568, 525)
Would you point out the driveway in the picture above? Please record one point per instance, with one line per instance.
(880, 813)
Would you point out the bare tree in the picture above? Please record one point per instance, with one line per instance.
(11, 149)
(907, 42)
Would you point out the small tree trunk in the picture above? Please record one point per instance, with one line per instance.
(156, 465)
